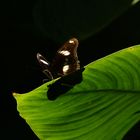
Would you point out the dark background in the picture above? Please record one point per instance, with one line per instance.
(20, 72)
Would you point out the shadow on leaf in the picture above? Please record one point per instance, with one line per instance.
(64, 84)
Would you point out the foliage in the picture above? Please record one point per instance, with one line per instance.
(104, 106)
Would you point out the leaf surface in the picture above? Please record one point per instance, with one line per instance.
(104, 106)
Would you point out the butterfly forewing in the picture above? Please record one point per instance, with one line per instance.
(66, 59)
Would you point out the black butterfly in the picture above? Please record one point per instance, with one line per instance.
(65, 62)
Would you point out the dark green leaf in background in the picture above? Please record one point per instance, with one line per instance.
(61, 20)
(104, 106)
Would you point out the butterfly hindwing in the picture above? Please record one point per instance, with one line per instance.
(45, 66)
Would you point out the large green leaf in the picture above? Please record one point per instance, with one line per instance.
(61, 20)
(104, 106)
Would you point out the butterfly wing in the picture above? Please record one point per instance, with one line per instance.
(65, 62)
(45, 66)
(66, 59)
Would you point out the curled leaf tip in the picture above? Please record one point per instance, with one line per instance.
(15, 95)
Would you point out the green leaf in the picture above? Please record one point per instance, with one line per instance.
(61, 20)
(104, 106)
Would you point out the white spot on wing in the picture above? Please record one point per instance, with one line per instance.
(65, 53)
(71, 41)
(44, 62)
(65, 68)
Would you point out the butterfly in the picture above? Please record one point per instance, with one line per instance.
(65, 61)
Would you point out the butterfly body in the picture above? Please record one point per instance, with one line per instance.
(65, 61)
